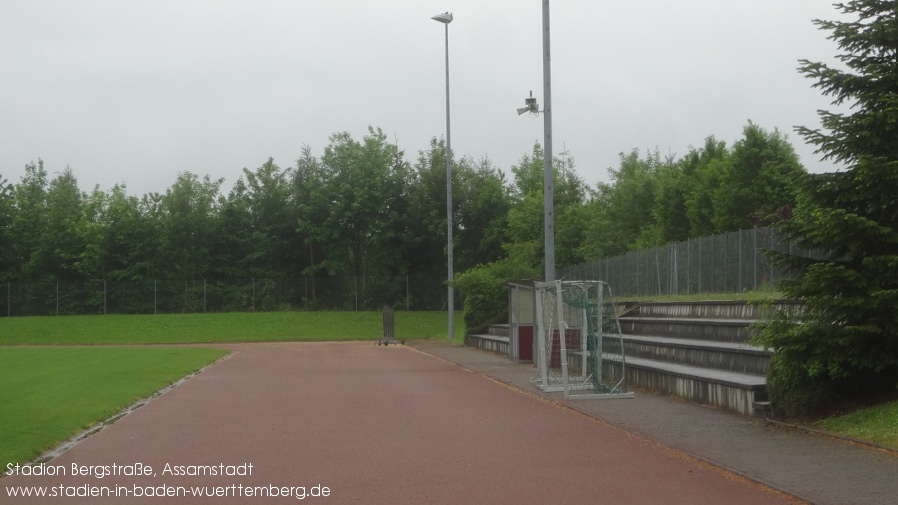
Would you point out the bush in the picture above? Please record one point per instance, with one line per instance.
(795, 394)
(485, 292)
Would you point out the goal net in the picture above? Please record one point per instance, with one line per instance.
(579, 344)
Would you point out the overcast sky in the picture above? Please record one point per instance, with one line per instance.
(136, 92)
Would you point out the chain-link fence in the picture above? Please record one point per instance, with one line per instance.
(731, 262)
(230, 295)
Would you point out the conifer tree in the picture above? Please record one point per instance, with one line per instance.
(848, 341)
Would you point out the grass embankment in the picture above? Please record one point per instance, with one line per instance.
(227, 327)
(756, 296)
(49, 394)
(877, 424)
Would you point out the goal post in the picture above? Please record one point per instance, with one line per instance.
(579, 343)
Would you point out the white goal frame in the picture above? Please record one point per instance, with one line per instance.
(586, 370)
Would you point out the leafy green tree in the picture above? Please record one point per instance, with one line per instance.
(685, 188)
(526, 216)
(357, 199)
(29, 221)
(761, 179)
(483, 204)
(307, 166)
(272, 211)
(623, 210)
(187, 222)
(670, 222)
(704, 170)
(123, 248)
(426, 234)
(62, 243)
(848, 341)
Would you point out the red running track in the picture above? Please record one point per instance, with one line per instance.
(372, 425)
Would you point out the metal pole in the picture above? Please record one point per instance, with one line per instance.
(548, 178)
(688, 267)
(104, 297)
(755, 249)
(57, 298)
(450, 259)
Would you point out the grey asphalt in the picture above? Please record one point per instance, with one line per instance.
(815, 468)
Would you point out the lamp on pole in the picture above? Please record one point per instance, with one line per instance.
(446, 18)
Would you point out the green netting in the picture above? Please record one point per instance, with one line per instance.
(580, 346)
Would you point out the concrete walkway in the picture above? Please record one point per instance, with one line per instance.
(814, 468)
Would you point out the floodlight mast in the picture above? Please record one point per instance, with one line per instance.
(548, 176)
(548, 173)
(446, 18)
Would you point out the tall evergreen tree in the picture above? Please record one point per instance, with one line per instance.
(850, 334)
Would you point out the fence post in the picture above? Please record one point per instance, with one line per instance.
(204, 295)
(155, 310)
(740, 261)
(104, 297)
(755, 249)
(688, 267)
(57, 298)
(699, 266)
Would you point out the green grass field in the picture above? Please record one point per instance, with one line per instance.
(49, 394)
(227, 327)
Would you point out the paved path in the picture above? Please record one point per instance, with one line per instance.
(817, 469)
(375, 425)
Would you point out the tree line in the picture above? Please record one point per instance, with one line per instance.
(362, 211)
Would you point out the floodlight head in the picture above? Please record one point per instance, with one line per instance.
(445, 18)
(530, 105)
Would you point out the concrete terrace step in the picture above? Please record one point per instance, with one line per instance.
(722, 330)
(739, 392)
(734, 357)
(494, 343)
(499, 330)
(723, 309)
